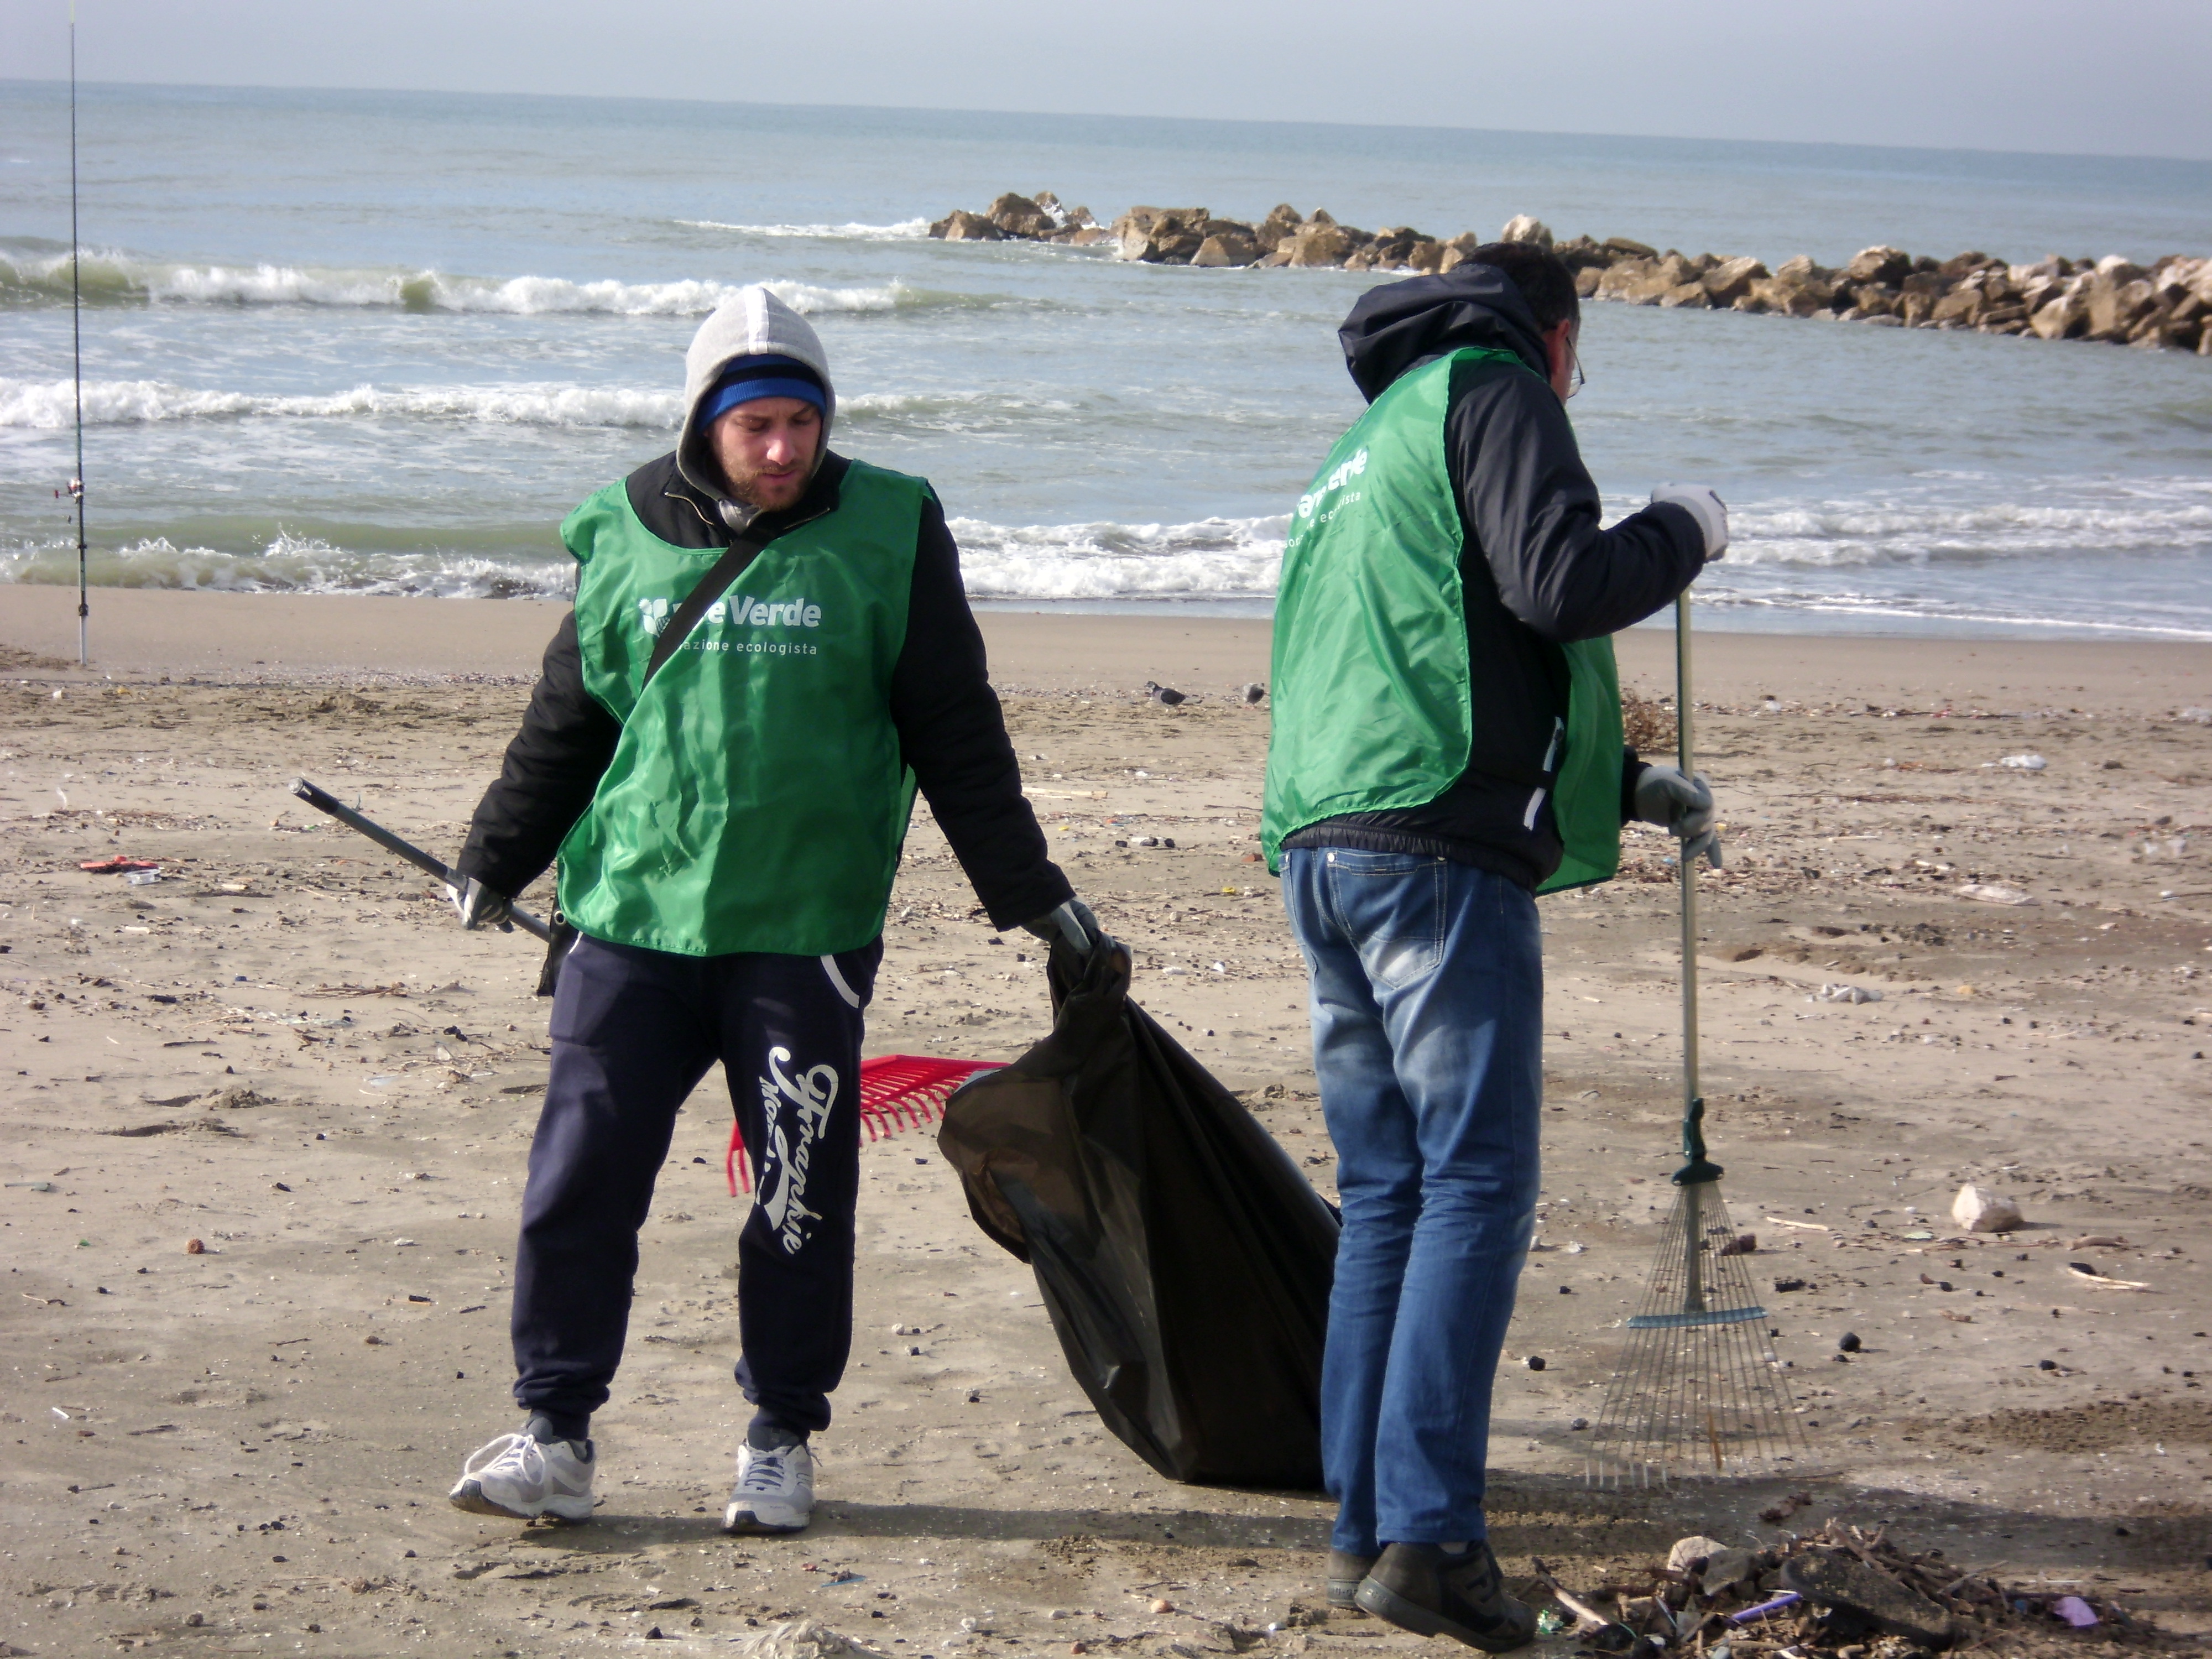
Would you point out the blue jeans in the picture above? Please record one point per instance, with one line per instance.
(1428, 997)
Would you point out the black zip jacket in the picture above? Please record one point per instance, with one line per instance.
(1536, 569)
(951, 729)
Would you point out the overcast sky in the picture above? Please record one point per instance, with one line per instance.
(2050, 76)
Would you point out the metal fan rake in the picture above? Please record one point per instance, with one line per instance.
(1699, 1390)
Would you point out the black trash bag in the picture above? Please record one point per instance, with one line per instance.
(1184, 1260)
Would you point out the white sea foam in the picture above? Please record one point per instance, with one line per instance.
(29, 279)
(906, 230)
(50, 405)
(293, 564)
(2148, 518)
(1211, 558)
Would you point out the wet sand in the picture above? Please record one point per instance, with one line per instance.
(286, 1050)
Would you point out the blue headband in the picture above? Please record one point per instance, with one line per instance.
(766, 376)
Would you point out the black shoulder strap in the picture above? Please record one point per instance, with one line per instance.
(712, 585)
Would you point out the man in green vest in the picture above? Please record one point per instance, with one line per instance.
(770, 649)
(1447, 744)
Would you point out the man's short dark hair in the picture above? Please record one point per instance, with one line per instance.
(1541, 276)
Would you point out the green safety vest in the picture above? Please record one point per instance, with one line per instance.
(1370, 681)
(757, 798)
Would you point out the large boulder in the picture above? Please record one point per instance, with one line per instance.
(1232, 246)
(1161, 235)
(1918, 296)
(1691, 293)
(1281, 224)
(962, 226)
(1621, 248)
(1525, 227)
(2061, 318)
(1871, 300)
(1731, 279)
(2118, 268)
(2116, 308)
(1582, 253)
(1586, 279)
(1960, 265)
(1317, 244)
(1886, 266)
(1960, 308)
(1021, 217)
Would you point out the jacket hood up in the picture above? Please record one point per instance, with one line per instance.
(1395, 327)
(750, 323)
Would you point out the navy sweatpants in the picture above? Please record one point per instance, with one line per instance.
(634, 1030)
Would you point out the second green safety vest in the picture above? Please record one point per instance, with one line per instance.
(1369, 686)
(758, 799)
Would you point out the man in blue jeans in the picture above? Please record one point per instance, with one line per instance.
(1447, 744)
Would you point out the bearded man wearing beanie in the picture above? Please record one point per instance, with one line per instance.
(770, 651)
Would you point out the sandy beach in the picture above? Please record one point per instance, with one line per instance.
(235, 1411)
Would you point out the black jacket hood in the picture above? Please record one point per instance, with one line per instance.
(1395, 326)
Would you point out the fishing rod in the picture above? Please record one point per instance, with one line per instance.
(77, 349)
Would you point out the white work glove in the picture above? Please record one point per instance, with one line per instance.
(1683, 806)
(1707, 508)
(1072, 922)
(478, 906)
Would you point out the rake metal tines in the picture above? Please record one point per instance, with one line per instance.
(1701, 1390)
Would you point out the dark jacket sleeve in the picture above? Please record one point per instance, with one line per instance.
(954, 737)
(1529, 502)
(551, 770)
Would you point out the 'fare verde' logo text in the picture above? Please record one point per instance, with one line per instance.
(1336, 480)
(654, 613)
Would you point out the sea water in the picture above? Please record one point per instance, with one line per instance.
(381, 343)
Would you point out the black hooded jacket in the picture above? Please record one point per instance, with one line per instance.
(1536, 569)
(951, 729)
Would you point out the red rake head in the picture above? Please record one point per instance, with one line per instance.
(897, 1092)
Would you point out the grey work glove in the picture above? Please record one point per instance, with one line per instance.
(1706, 508)
(1683, 806)
(478, 906)
(1072, 922)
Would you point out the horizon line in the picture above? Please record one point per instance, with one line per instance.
(1826, 144)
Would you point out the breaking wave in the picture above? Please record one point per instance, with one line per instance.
(50, 405)
(30, 278)
(906, 230)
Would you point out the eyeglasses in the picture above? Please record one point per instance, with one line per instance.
(1579, 379)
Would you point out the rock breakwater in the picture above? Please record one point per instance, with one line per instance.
(2166, 306)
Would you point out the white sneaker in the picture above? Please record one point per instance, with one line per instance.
(774, 1490)
(519, 1476)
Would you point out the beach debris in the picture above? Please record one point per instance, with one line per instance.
(1838, 1578)
(2023, 762)
(1780, 1603)
(195, 1247)
(2088, 1275)
(1785, 1285)
(1980, 1210)
(1166, 695)
(1742, 1244)
(116, 866)
(1534, 1362)
(1161, 1604)
(1255, 694)
(1849, 993)
(1688, 1552)
(1775, 1514)
(2074, 1611)
(1990, 892)
(141, 878)
(1849, 1342)
(2195, 716)
(802, 1638)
